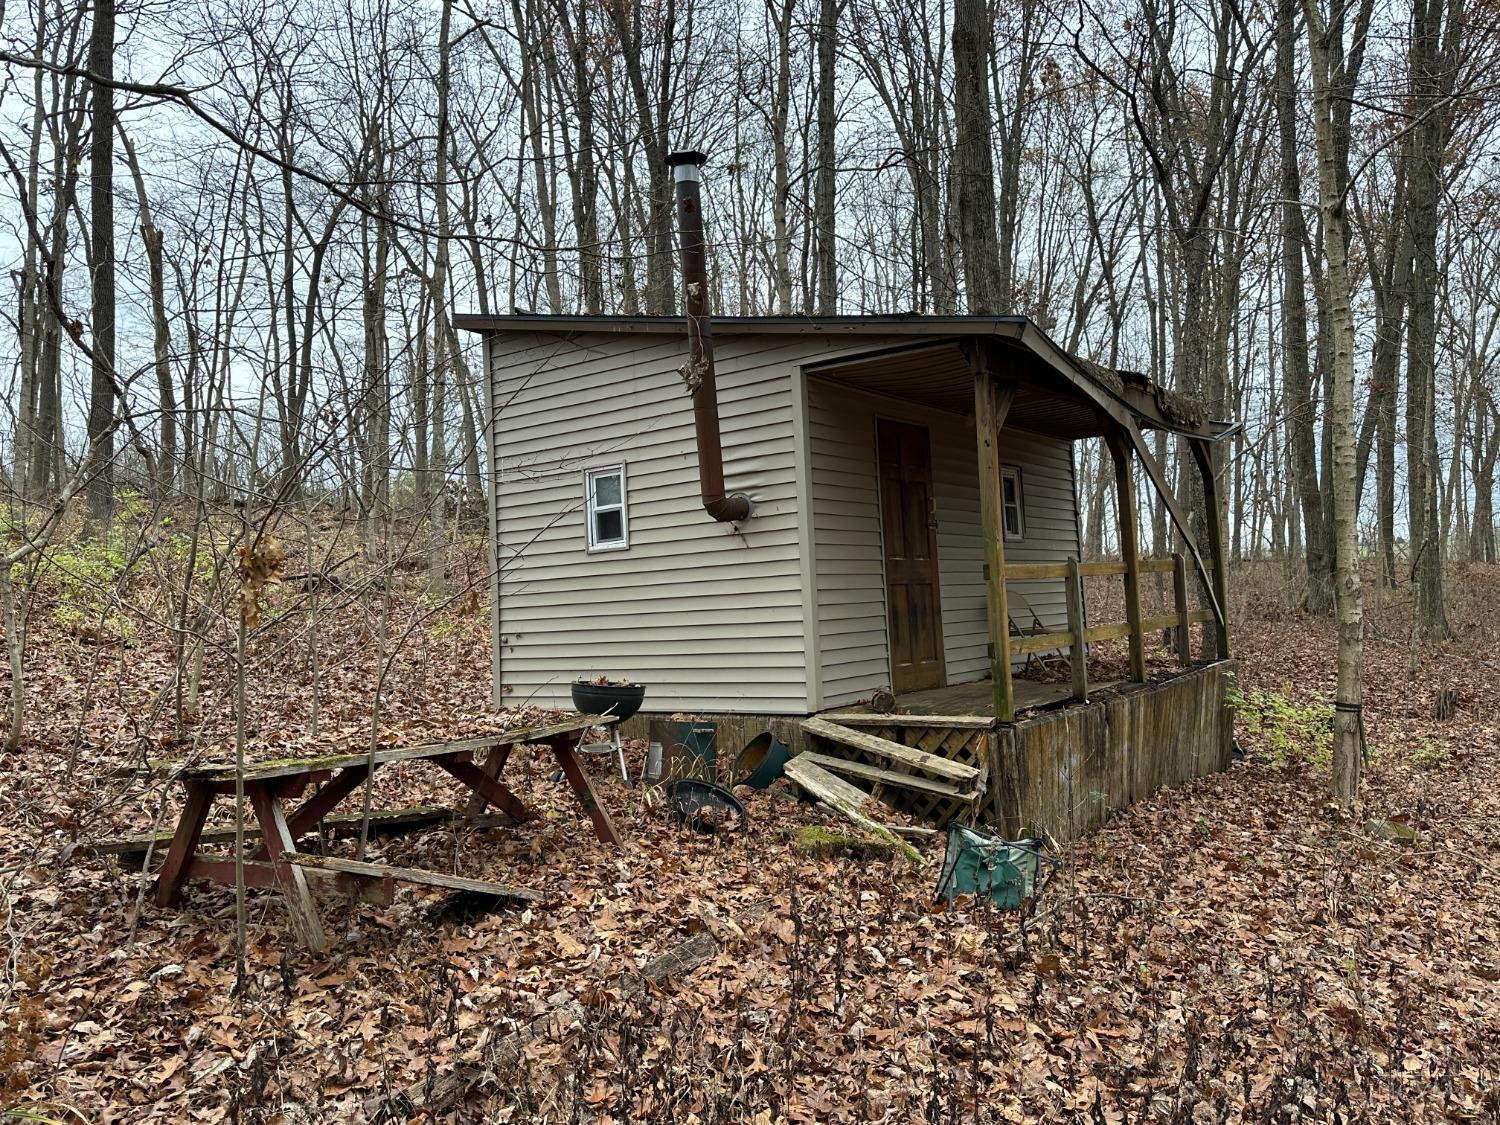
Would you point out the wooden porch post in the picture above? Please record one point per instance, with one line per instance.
(1130, 550)
(992, 401)
(1180, 596)
(1078, 626)
(1204, 454)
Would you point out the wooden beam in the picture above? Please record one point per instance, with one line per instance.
(485, 786)
(132, 849)
(934, 764)
(1079, 655)
(1130, 549)
(305, 817)
(1169, 498)
(1026, 572)
(992, 401)
(184, 843)
(566, 753)
(494, 766)
(1158, 478)
(416, 875)
(1203, 453)
(278, 842)
(1041, 642)
(888, 777)
(1180, 593)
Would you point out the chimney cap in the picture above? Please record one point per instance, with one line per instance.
(686, 156)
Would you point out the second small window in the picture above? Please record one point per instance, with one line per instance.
(1013, 509)
(607, 520)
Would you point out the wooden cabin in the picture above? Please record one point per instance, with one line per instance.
(913, 525)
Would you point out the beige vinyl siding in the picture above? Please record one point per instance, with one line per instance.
(709, 618)
(851, 618)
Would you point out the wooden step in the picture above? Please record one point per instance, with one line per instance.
(888, 777)
(419, 875)
(892, 751)
(382, 822)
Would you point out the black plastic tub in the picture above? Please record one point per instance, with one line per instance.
(619, 700)
(762, 761)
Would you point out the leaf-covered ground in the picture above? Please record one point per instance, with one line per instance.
(1226, 951)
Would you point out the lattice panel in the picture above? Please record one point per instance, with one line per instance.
(966, 745)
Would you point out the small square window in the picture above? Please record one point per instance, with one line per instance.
(1012, 507)
(607, 523)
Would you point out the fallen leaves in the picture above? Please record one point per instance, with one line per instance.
(1220, 949)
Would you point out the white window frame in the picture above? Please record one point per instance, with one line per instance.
(1012, 473)
(590, 509)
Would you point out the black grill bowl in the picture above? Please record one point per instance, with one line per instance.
(619, 700)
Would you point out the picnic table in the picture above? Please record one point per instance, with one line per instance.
(277, 864)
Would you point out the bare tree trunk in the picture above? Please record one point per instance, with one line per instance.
(1012, 151)
(1300, 408)
(973, 159)
(161, 334)
(1432, 81)
(823, 198)
(1482, 534)
(660, 296)
(585, 169)
(1347, 726)
(532, 116)
(102, 265)
(444, 354)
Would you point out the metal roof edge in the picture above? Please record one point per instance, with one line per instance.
(789, 325)
(1021, 330)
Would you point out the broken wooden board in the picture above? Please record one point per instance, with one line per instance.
(890, 777)
(417, 875)
(382, 822)
(838, 796)
(891, 751)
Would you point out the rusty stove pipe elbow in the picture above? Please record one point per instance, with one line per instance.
(698, 372)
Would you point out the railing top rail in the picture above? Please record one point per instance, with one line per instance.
(1104, 568)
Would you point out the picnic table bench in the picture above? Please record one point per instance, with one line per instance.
(275, 862)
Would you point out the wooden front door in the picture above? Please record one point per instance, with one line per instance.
(909, 523)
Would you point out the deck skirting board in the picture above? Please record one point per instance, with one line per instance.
(1062, 772)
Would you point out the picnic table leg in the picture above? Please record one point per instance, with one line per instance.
(293, 880)
(567, 757)
(306, 815)
(494, 764)
(184, 843)
(485, 787)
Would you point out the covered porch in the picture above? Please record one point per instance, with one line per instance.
(1009, 380)
(1128, 703)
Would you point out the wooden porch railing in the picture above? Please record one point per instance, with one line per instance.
(1078, 635)
(994, 392)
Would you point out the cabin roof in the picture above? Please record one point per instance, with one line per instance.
(931, 361)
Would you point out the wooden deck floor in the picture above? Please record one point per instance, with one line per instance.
(976, 699)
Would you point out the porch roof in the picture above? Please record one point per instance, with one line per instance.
(1057, 392)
